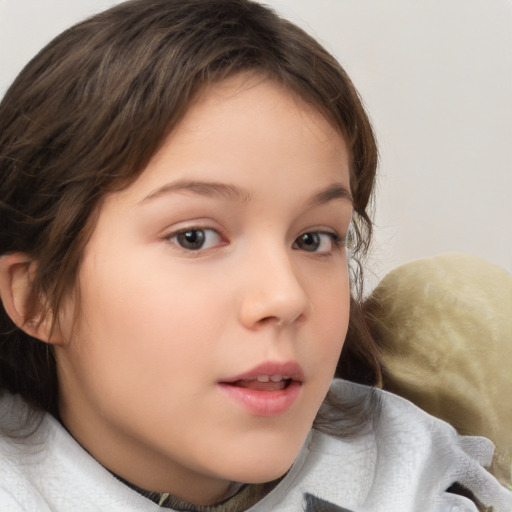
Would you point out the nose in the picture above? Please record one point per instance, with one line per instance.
(273, 293)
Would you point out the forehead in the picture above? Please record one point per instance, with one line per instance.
(250, 128)
(253, 94)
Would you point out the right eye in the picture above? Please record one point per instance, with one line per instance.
(318, 242)
(196, 239)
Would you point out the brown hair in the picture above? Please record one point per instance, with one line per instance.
(89, 111)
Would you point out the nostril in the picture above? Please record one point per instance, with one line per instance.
(281, 321)
(271, 319)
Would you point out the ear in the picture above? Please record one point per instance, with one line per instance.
(19, 300)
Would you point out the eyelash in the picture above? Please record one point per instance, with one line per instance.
(336, 240)
(174, 237)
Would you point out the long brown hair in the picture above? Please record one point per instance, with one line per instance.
(89, 111)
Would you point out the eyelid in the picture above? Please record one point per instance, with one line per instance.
(186, 225)
(337, 241)
(195, 225)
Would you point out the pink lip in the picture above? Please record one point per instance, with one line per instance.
(261, 402)
(288, 369)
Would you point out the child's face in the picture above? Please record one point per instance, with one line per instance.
(219, 262)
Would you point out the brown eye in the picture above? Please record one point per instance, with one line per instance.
(317, 241)
(192, 239)
(196, 239)
(308, 242)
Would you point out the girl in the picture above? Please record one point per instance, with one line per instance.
(182, 183)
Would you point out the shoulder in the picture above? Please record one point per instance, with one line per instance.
(20, 442)
(43, 468)
(406, 462)
(418, 457)
(9, 502)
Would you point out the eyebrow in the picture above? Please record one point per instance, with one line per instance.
(331, 193)
(234, 193)
(202, 188)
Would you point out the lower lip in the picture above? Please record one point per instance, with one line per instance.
(263, 403)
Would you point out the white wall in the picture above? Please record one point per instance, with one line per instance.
(436, 76)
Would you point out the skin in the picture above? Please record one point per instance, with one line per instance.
(160, 324)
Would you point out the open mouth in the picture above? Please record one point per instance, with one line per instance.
(264, 383)
(263, 396)
(270, 389)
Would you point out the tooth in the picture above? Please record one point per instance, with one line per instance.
(263, 378)
(276, 378)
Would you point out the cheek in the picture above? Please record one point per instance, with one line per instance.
(145, 309)
(330, 315)
(140, 347)
(330, 296)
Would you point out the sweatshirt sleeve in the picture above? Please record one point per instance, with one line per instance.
(9, 504)
(434, 458)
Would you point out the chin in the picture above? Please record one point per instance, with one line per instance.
(262, 475)
(264, 465)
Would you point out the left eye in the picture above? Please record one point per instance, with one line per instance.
(196, 239)
(315, 241)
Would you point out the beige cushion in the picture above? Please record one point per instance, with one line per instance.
(444, 325)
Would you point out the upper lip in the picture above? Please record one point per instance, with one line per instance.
(289, 369)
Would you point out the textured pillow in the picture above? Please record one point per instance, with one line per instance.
(444, 325)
